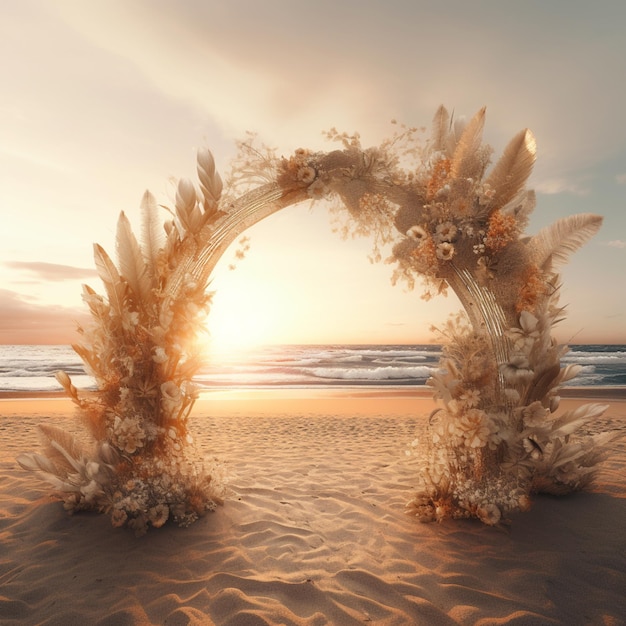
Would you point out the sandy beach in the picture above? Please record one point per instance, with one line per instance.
(313, 531)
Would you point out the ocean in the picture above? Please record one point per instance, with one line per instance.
(25, 368)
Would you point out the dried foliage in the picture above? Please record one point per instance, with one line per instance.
(497, 437)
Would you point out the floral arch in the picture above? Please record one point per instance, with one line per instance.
(450, 219)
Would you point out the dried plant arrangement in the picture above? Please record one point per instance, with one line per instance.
(452, 222)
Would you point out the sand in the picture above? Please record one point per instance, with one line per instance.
(313, 532)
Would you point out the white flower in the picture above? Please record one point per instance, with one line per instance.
(534, 414)
(525, 336)
(91, 490)
(445, 251)
(528, 322)
(445, 232)
(159, 355)
(71, 502)
(517, 369)
(92, 468)
(317, 190)
(489, 514)
(470, 398)
(422, 507)
(171, 397)
(158, 515)
(474, 428)
(306, 175)
(130, 319)
(128, 434)
(417, 233)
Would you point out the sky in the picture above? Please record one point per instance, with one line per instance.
(102, 100)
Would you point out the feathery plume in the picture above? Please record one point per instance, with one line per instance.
(512, 170)
(552, 245)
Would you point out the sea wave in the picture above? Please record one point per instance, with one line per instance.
(32, 368)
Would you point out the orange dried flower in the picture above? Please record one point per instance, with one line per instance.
(426, 256)
(438, 177)
(533, 286)
(501, 231)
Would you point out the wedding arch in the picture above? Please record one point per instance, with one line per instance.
(448, 219)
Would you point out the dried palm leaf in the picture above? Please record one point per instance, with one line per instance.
(110, 277)
(131, 262)
(187, 209)
(210, 182)
(552, 245)
(512, 170)
(152, 235)
(465, 163)
(63, 449)
(440, 130)
(572, 420)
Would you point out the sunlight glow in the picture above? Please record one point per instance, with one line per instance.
(235, 322)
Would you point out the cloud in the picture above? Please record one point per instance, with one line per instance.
(22, 322)
(560, 185)
(53, 271)
(616, 243)
(620, 179)
(292, 69)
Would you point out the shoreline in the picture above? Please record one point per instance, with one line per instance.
(335, 391)
(390, 403)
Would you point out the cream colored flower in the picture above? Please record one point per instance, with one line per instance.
(171, 397)
(159, 355)
(474, 428)
(306, 175)
(528, 322)
(91, 469)
(489, 514)
(534, 414)
(517, 369)
(317, 190)
(417, 233)
(130, 319)
(445, 251)
(158, 515)
(127, 434)
(445, 232)
(470, 398)
(422, 507)
(71, 502)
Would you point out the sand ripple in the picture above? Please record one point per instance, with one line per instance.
(313, 533)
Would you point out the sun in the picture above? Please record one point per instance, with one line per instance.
(240, 318)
